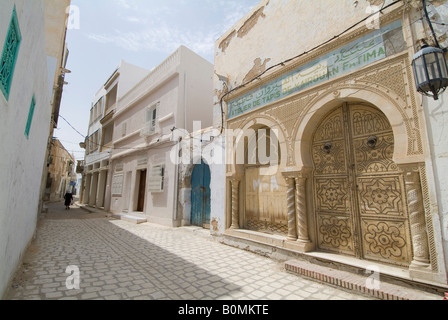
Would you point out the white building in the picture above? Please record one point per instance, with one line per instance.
(149, 121)
(101, 128)
(32, 43)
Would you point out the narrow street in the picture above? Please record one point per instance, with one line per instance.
(120, 260)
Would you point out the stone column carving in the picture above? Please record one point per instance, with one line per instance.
(291, 203)
(301, 208)
(416, 216)
(235, 203)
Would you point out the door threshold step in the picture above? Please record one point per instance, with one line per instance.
(133, 218)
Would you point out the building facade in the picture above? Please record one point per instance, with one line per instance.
(201, 171)
(61, 173)
(29, 67)
(98, 144)
(328, 150)
(150, 121)
(57, 56)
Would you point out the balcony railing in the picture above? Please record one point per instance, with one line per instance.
(149, 129)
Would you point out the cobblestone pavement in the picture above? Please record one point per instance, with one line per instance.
(121, 260)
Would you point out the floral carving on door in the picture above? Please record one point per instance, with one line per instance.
(358, 190)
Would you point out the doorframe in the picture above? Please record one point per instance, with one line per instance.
(353, 194)
(137, 190)
(303, 132)
(190, 183)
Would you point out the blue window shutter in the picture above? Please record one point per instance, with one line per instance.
(9, 55)
(30, 118)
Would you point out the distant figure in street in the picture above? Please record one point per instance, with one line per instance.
(68, 200)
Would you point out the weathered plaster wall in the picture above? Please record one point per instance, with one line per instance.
(278, 29)
(272, 32)
(58, 170)
(204, 145)
(436, 115)
(284, 29)
(21, 173)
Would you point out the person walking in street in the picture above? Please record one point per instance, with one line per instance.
(68, 200)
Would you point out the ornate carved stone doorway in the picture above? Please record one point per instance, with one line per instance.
(359, 192)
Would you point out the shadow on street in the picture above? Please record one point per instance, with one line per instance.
(113, 263)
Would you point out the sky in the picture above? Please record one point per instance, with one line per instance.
(141, 32)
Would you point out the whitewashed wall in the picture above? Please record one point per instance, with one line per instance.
(436, 114)
(20, 173)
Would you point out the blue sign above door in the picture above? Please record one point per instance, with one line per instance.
(353, 56)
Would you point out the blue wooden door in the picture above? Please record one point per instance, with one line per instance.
(200, 195)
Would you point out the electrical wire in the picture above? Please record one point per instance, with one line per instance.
(296, 57)
(379, 80)
(246, 83)
(72, 126)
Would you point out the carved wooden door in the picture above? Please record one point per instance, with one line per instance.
(358, 191)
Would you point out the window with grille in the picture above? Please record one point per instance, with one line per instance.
(152, 117)
(156, 178)
(93, 141)
(9, 55)
(30, 118)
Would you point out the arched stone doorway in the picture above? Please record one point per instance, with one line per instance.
(359, 193)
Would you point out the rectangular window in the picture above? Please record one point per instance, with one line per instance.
(156, 178)
(152, 117)
(30, 118)
(9, 55)
(117, 185)
(93, 142)
(124, 127)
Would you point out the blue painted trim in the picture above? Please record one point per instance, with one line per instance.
(30, 118)
(14, 25)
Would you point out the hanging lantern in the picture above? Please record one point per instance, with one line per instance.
(430, 70)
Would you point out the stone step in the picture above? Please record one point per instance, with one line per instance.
(137, 219)
(368, 284)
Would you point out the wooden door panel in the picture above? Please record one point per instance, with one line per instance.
(200, 195)
(386, 241)
(358, 191)
(336, 233)
(265, 209)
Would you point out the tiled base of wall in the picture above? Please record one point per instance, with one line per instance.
(365, 284)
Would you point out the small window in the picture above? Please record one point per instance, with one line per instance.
(94, 142)
(117, 185)
(152, 118)
(9, 55)
(156, 178)
(30, 118)
(123, 129)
